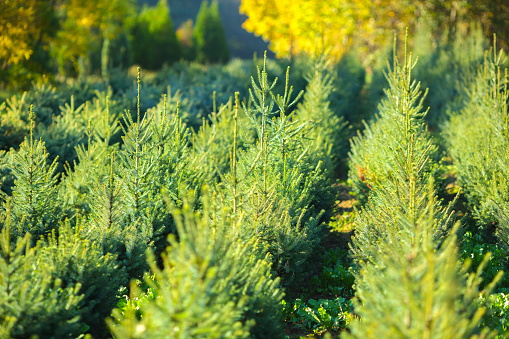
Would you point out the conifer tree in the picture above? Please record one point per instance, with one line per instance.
(168, 146)
(208, 36)
(33, 302)
(397, 145)
(35, 206)
(414, 288)
(478, 140)
(212, 284)
(93, 156)
(404, 246)
(213, 143)
(327, 133)
(80, 263)
(14, 128)
(152, 158)
(154, 39)
(394, 162)
(64, 133)
(276, 181)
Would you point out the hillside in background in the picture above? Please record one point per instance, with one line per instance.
(242, 43)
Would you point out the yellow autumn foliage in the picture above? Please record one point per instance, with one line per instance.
(16, 28)
(79, 24)
(315, 27)
(85, 24)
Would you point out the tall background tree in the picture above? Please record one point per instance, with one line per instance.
(154, 40)
(208, 35)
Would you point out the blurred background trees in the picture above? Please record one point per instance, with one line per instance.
(208, 35)
(154, 36)
(313, 26)
(77, 37)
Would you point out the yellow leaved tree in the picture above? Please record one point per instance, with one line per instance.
(89, 25)
(24, 26)
(315, 27)
(15, 28)
(331, 26)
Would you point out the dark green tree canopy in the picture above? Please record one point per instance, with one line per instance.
(209, 37)
(154, 41)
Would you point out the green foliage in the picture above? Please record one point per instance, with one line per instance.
(119, 189)
(475, 247)
(34, 303)
(375, 84)
(324, 303)
(208, 35)
(271, 183)
(349, 79)
(397, 145)
(446, 69)
(270, 159)
(319, 316)
(335, 279)
(154, 40)
(276, 181)
(478, 140)
(230, 278)
(14, 121)
(152, 157)
(66, 131)
(212, 144)
(35, 206)
(435, 297)
(497, 316)
(196, 84)
(404, 245)
(79, 263)
(15, 112)
(391, 165)
(144, 295)
(327, 134)
(93, 167)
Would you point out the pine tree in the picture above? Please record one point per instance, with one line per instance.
(65, 132)
(394, 161)
(93, 156)
(80, 263)
(329, 128)
(414, 288)
(397, 145)
(409, 280)
(212, 284)
(35, 206)
(212, 144)
(208, 36)
(33, 302)
(14, 118)
(154, 39)
(478, 140)
(276, 181)
(152, 158)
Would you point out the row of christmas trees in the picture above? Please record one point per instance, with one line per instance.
(410, 281)
(241, 202)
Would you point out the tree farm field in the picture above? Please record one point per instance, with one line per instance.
(254, 169)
